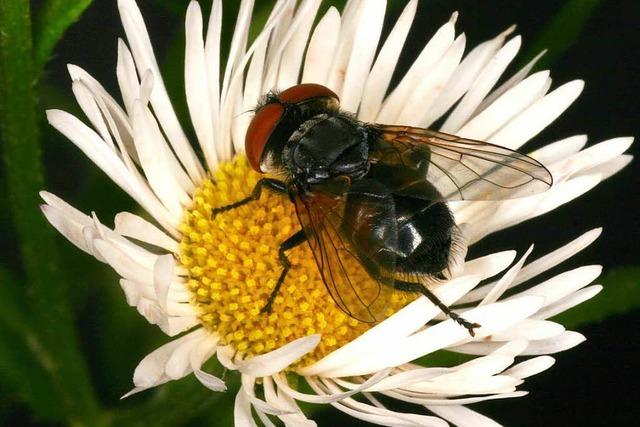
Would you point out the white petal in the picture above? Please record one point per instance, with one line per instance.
(122, 263)
(212, 59)
(70, 229)
(529, 329)
(432, 52)
(361, 56)
(238, 43)
(488, 265)
(145, 60)
(481, 86)
(369, 384)
(568, 302)
(531, 367)
(563, 284)
(448, 401)
(610, 168)
(225, 355)
(196, 84)
(462, 416)
(562, 342)
(90, 108)
(538, 116)
(464, 76)
(505, 281)
(554, 258)
(155, 160)
(242, 411)
(397, 327)
(130, 225)
(293, 53)
(322, 47)
(511, 82)
(385, 64)
(277, 360)
(229, 134)
(373, 414)
(503, 109)
(178, 365)
(209, 381)
(513, 212)
(127, 76)
(151, 370)
(94, 147)
(559, 150)
(431, 85)
(248, 386)
(162, 278)
(492, 318)
(591, 157)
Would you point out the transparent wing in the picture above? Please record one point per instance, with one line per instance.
(350, 274)
(456, 168)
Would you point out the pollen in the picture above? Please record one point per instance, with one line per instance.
(233, 265)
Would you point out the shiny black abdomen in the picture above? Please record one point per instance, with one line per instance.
(398, 233)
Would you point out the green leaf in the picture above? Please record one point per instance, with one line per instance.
(13, 311)
(562, 31)
(51, 22)
(178, 403)
(620, 295)
(22, 373)
(22, 359)
(24, 176)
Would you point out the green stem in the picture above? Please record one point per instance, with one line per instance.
(24, 176)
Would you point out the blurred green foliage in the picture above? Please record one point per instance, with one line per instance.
(48, 370)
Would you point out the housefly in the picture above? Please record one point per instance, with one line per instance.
(371, 198)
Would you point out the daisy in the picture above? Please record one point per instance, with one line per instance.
(204, 280)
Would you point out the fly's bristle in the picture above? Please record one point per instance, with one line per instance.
(270, 97)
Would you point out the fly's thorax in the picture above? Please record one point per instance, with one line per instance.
(293, 117)
(326, 146)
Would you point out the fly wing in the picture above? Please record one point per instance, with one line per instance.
(457, 168)
(348, 272)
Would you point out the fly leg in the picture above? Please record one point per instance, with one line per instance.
(418, 287)
(293, 241)
(272, 184)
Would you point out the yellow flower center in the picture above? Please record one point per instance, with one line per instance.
(233, 265)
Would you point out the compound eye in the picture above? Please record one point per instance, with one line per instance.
(259, 132)
(304, 92)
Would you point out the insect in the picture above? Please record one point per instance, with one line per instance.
(371, 198)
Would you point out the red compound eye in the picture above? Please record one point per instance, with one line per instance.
(259, 132)
(305, 91)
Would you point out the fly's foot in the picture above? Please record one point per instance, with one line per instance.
(267, 307)
(463, 322)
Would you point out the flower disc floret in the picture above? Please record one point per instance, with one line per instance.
(233, 265)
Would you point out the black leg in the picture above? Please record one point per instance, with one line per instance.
(272, 184)
(290, 243)
(418, 287)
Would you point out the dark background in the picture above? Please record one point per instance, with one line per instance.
(593, 384)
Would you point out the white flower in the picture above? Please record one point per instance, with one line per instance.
(170, 278)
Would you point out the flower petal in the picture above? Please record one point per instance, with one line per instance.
(321, 48)
(481, 86)
(134, 226)
(142, 51)
(277, 360)
(385, 64)
(462, 416)
(538, 116)
(196, 84)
